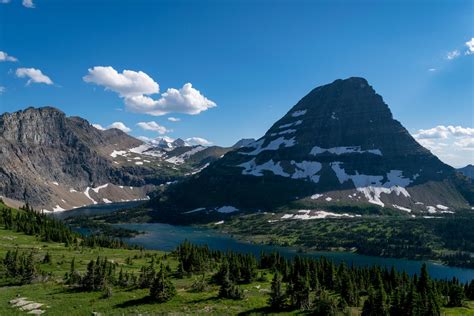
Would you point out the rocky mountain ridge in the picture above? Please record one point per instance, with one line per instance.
(339, 145)
(55, 162)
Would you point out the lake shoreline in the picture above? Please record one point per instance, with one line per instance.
(166, 237)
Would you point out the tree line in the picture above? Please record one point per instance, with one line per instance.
(33, 223)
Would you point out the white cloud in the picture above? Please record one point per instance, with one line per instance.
(120, 126)
(4, 1)
(187, 100)
(5, 57)
(28, 4)
(2, 89)
(466, 143)
(452, 144)
(136, 87)
(444, 132)
(153, 126)
(35, 75)
(99, 127)
(470, 46)
(129, 83)
(432, 69)
(198, 141)
(173, 119)
(453, 54)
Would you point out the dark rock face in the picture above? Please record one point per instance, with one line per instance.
(468, 171)
(39, 146)
(341, 137)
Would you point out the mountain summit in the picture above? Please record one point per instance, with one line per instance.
(339, 144)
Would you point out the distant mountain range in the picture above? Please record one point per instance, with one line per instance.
(339, 145)
(55, 162)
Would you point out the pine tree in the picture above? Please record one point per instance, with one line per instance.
(228, 289)
(277, 296)
(162, 289)
(325, 305)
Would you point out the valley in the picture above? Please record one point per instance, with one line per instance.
(54, 292)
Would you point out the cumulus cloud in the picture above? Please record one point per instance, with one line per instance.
(120, 126)
(173, 119)
(5, 57)
(444, 132)
(198, 141)
(99, 127)
(452, 144)
(2, 89)
(129, 83)
(28, 4)
(470, 46)
(153, 126)
(187, 100)
(34, 75)
(453, 54)
(136, 89)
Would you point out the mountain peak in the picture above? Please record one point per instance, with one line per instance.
(339, 140)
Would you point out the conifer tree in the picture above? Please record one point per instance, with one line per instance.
(277, 296)
(162, 289)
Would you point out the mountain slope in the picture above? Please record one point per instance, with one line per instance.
(339, 144)
(56, 162)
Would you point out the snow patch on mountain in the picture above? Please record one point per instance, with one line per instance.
(316, 196)
(227, 209)
(290, 124)
(116, 153)
(251, 168)
(316, 150)
(140, 149)
(401, 208)
(288, 131)
(308, 214)
(180, 159)
(303, 169)
(298, 113)
(306, 169)
(58, 208)
(371, 185)
(273, 145)
(86, 193)
(97, 189)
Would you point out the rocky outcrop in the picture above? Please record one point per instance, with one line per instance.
(42, 149)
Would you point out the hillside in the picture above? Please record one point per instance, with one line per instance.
(55, 162)
(50, 287)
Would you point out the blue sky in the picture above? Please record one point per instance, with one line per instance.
(248, 62)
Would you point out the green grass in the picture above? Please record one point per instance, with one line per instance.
(63, 300)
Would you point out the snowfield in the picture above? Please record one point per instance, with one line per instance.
(227, 209)
(273, 145)
(316, 150)
(303, 170)
(308, 214)
(298, 113)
